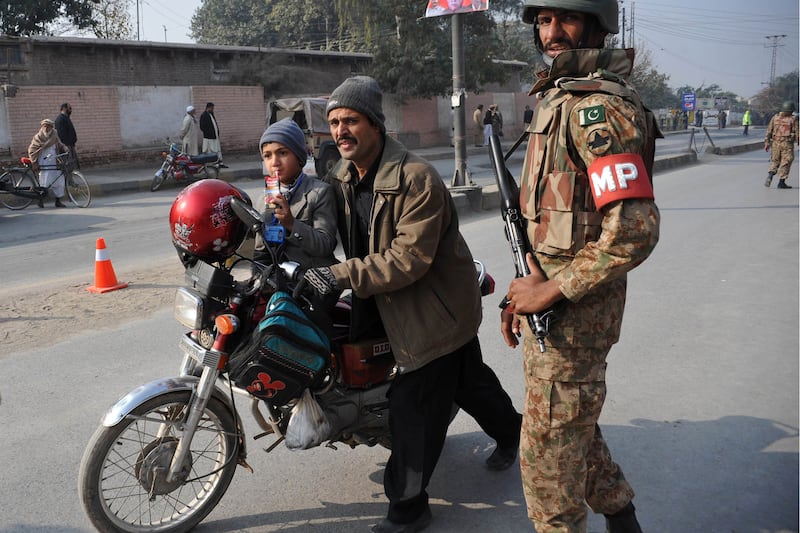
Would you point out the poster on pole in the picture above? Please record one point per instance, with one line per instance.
(449, 7)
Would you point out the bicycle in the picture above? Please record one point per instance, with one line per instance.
(20, 186)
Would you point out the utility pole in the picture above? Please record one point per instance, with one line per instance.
(460, 176)
(137, 20)
(774, 47)
(165, 32)
(623, 28)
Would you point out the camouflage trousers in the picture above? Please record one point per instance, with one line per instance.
(564, 460)
(781, 159)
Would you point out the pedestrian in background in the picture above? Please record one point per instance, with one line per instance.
(210, 129)
(66, 132)
(497, 120)
(487, 125)
(189, 132)
(477, 120)
(782, 134)
(584, 240)
(413, 281)
(747, 120)
(43, 151)
(527, 117)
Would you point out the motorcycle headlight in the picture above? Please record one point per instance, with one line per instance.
(189, 308)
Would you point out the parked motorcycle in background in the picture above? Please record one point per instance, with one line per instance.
(165, 453)
(183, 167)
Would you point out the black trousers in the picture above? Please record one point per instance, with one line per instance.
(420, 406)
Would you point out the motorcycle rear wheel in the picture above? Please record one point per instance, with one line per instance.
(212, 172)
(122, 482)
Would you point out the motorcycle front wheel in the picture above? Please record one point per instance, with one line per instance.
(159, 178)
(123, 483)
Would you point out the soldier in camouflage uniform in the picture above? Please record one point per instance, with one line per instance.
(782, 134)
(587, 197)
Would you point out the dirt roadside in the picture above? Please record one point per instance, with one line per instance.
(41, 315)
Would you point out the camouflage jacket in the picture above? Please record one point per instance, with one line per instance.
(586, 111)
(782, 129)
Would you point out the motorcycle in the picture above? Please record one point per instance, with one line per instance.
(166, 452)
(181, 167)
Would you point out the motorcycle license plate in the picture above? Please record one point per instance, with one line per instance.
(192, 349)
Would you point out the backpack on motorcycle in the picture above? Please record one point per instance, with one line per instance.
(286, 353)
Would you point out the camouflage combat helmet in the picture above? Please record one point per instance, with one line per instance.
(606, 11)
(787, 106)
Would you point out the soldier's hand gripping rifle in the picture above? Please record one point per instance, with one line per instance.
(515, 233)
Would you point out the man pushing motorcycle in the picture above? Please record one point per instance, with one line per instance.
(413, 280)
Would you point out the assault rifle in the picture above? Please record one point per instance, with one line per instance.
(515, 232)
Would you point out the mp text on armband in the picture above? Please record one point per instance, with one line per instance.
(619, 177)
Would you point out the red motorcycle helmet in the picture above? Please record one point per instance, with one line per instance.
(202, 223)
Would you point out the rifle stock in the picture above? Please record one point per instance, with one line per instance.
(515, 232)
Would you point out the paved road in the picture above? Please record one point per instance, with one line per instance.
(702, 411)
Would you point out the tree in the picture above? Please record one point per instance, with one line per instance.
(785, 87)
(34, 17)
(113, 20)
(651, 84)
(234, 22)
(417, 61)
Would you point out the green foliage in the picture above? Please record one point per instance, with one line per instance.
(113, 21)
(651, 84)
(415, 60)
(234, 22)
(34, 17)
(785, 88)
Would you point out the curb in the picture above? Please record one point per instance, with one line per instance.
(466, 199)
(737, 149)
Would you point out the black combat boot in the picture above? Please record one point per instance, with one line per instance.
(769, 179)
(623, 521)
(782, 184)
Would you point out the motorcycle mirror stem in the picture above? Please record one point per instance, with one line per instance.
(247, 214)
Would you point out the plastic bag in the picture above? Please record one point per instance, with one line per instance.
(310, 167)
(308, 426)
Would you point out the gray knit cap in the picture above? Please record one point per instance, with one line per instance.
(362, 94)
(288, 133)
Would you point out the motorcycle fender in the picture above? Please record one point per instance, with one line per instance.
(148, 391)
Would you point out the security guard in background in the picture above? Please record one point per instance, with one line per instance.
(587, 198)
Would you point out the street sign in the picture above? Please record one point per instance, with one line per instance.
(688, 100)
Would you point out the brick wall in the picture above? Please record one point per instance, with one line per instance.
(241, 114)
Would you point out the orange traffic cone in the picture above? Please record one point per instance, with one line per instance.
(104, 278)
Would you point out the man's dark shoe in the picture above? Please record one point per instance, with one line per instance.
(782, 185)
(59, 203)
(768, 181)
(223, 165)
(623, 521)
(502, 458)
(387, 526)
(40, 202)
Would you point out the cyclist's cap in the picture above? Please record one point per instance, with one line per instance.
(47, 122)
(189, 109)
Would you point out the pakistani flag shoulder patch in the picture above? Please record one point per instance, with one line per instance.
(592, 115)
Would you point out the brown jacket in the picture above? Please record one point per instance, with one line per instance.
(419, 267)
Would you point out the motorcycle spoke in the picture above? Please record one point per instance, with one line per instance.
(133, 489)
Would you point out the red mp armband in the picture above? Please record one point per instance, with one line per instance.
(619, 177)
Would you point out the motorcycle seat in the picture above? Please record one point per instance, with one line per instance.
(208, 157)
